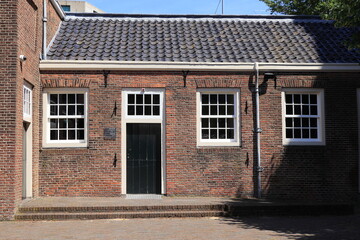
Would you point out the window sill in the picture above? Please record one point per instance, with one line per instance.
(64, 145)
(304, 143)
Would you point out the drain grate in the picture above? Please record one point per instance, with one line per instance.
(143, 196)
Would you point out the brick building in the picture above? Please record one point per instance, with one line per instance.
(239, 106)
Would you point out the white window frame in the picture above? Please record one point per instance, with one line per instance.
(320, 122)
(27, 103)
(218, 142)
(47, 143)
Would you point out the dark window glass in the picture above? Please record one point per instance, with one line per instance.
(62, 98)
(62, 123)
(230, 133)
(221, 122)
(313, 99)
(297, 109)
(80, 98)
(80, 123)
(222, 98)
(297, 122)
(53, 123)
(230, 123)
(71, 123)
(71, 98)
(53, 98)
(71, 109)
(131, 110)
(314, 133)
(305, 98)
(53, 110)
(62, 110)
(289, 122)
(297, 133)
(288, 98)
(54, 135)
(204, 122)
(205, 99)
(222, 134)
(147, 99)
(296, 98)
(62, 135)
(313, 110)
(156, 110)
(305, 122)
(213, 133)
(213, 99)
(139, 110)
(131, 99)
(156, 98)
(205, 134)
(289, 109)
(313, 122)
(80, 134)
(230, 99)
(80, 110)
(71, 134)
(213, 122)
(213, 110)
(222, 110)
(205, 110)
(147, 110)
(230, 110)
(305, 133)
(305, 110)
(139, 99)
(289, 133)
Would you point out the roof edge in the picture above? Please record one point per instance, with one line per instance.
(84, 65)
(112, 15)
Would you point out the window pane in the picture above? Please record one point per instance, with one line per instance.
(131, 99)
(289, 133)
(62, 98)
(147, 99)
(289, 109)
(139, 110)
(288, 98)
(289, 122)
(230, 110)
(62, 135)
(71, 98)
(54, 135)
(230, 123)
(80, 98)
(222, 98)
(139, 99)
(205, 134)
(297, 109)
(305, 122)
(62, 123)
(156, 110)
(80, 110)
(131, 110)
(213, 110)
(313, 122)
(156, 99)
(205, 99)
(297, 122)
(80, 123)
(222, 134)
(71, 134)
(71, 123)
(222, 110)
(53, 98)
(313, 110)
(205, 110)
(53, 123)
(213, 134)
(314, 133)
(296, 98)
(71, 110)
(204, 122)
(305, 110)
(147, 109)
(213, 122)
(80, 135)
(305, 133)
(230, 134)
(53, 110)
(213, 99)
(313, 99)
(62, 110)
(297, 133)
(221, 122)
(230, 99)
(305, 98)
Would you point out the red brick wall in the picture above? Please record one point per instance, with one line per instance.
(307, 172)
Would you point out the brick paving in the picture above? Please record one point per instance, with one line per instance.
(264, 228)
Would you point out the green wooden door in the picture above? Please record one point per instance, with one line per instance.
(143, 166)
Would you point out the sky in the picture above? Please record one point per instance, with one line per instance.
(231, 7)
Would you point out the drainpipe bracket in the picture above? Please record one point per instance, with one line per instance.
(259, 169)
(258, 130)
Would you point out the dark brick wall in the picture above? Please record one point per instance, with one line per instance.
(294, 172)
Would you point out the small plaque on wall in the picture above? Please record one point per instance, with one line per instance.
(110, 133)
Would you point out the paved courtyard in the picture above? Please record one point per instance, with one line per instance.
(264, 228)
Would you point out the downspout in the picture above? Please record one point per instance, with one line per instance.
(257, 130)
(44, 29)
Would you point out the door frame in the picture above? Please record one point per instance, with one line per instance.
(142, 119)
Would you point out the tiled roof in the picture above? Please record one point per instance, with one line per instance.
(274, 39)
